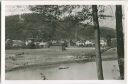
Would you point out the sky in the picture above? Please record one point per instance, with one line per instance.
(16, 10)
(20, 9)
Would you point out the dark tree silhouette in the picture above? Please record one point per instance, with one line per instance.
(120, 40)
(97, 42)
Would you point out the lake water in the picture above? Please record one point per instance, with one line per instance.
(72, 71)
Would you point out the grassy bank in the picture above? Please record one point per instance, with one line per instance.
(38, 57)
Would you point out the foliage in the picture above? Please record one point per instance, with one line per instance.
(54, 22)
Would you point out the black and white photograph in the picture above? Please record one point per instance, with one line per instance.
(64, 42)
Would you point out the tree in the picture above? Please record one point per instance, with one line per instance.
(57, 14)
(120, 40)
(97, 42)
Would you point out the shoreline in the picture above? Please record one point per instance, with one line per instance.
(48, 64)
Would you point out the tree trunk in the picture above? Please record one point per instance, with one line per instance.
(97, 43)
(120, 40)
